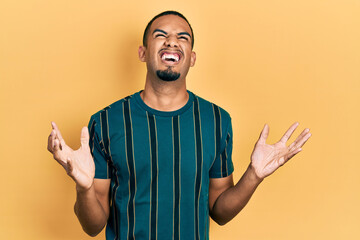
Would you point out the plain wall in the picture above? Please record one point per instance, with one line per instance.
(272, 62)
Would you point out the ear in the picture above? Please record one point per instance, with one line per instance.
(193, 59)
(141, 53)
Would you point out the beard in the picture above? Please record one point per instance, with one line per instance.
(168, 75)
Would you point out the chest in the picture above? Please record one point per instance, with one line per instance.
(167, 146)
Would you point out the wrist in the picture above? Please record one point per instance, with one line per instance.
(251, 172)
(84, 189)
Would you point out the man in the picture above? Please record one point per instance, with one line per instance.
(157, 164)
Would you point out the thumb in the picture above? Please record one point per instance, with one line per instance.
(84, 139)
(264, 134)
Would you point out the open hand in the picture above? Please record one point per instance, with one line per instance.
(265, 158)
(79, 164)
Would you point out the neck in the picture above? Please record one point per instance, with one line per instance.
(165, 96)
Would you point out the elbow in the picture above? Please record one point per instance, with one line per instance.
(91, 229)
(92, 232)
(221, 222)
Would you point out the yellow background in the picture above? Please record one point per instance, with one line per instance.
(275, 61)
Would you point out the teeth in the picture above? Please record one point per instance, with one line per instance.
(167, 56)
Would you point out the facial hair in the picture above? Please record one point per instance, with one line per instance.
(168, 75)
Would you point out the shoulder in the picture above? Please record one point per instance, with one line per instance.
(111, 109)
(207, 107)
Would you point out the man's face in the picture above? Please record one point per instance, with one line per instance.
(168, 54)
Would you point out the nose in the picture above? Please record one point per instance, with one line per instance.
(171, 41)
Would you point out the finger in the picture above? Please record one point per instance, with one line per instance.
(55, 127)
(289, 132)
(58, 133)
(302, 134)
(293, 153)
(84, 139)
(51, 139)
(49, 144)
(56, 145)
(57, 152)
(264, 134)
(301, 139)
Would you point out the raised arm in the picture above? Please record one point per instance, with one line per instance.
(227, 200)
(92, 203)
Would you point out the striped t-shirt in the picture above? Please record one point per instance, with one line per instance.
(159, 164)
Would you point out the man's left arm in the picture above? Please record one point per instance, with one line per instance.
(227, 200)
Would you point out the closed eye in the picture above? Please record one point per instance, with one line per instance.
(185, 38)
(160, 35)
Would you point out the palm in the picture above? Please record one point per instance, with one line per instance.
(79, 164)
(265, 158)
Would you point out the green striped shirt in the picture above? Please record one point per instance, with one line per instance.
(159, 164)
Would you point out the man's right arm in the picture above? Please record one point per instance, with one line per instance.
(92, 201)
(92, 206)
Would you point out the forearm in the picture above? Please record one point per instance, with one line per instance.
(234, 199)
(92, 216)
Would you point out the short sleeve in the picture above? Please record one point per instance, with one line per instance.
(223, 165)
(98, 152)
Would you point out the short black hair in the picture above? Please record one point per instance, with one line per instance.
(147, 29)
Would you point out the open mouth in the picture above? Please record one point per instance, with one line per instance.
(170, 57)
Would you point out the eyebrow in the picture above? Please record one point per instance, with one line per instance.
(179, 34)
(184, 33)
(159, 30)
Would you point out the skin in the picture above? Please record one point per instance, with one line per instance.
(172, 34)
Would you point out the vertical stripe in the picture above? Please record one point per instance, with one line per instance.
(176, 174)
(217, 130)
(224, 170)
(92, 135)
(224, 159)
(179, 180)
(105, 136)
(131, 168)
(154, 176)
(198, 177)
(223, 163)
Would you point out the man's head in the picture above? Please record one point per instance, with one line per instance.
(146, 32)
(167, 47)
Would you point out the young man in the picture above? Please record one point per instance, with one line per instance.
(157, 163)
